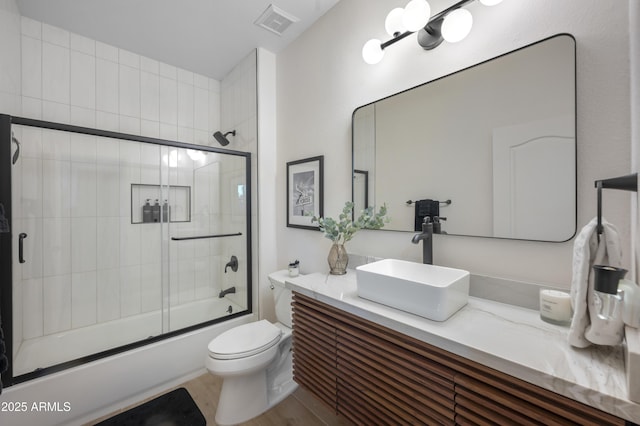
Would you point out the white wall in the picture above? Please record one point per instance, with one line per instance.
(322, 79)
(10, 54)
(634, 52)
(266, 209)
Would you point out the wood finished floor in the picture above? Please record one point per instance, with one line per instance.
(300, 408)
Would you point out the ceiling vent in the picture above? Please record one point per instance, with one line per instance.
(275, 20)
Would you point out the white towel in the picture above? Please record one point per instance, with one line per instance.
(586, 327)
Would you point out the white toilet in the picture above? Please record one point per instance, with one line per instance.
(254, 361)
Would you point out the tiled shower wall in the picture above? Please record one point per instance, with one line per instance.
(68, 78)
(9, 57)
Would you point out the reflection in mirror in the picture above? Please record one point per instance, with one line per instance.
(497, 139)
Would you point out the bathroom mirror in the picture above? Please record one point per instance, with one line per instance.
(496, 139)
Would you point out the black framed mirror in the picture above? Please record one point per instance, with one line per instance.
(497, 139)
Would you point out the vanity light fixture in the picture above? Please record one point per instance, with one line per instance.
(452, 24)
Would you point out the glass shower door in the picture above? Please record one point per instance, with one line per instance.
(88, 278)
(209, 256)
(112, 241)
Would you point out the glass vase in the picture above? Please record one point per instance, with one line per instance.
(338, 259)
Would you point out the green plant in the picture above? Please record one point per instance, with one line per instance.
(342, 230)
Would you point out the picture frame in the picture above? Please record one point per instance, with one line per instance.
(305, 192)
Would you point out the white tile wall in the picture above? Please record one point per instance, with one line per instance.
(129, 91)
(87, 262)
(150, 291)
(108, 294)
(56, 246)
(107, 86)
(83, 189)
(130, 290)
(31, 67)
(84, 244)
(83, 80)
(150, 96)
(83, 299)
(108, 243)
(32, 297)
(56, 112)
(55, 35)
(83, 44)
(168, 97)
(185, 104)
(55, 73)
(56, 303)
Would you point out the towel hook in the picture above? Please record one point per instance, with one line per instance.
(625, 183)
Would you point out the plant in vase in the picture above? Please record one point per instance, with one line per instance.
(342, 230)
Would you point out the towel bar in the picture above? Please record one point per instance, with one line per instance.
(625, 183)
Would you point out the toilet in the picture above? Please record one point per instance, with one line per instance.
(254, 361)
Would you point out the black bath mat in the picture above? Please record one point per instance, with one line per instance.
(175, 408)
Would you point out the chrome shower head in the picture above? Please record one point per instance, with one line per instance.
(222, 139)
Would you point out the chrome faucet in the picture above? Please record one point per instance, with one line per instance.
(426, 236)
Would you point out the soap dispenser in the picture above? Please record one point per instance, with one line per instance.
(165, 212)
(156, 211)
(147, 214)
(608, 299)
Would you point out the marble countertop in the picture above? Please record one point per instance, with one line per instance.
(510, 339)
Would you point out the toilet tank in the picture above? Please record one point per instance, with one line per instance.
(281, 297)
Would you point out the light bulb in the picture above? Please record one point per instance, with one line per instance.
(195, 155)
(490, 2)
(457, 25)
(372, 52)
(416, 15)
(393, 24)
(171, 159)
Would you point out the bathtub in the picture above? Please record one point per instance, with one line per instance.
(73, 344)
(80, 394)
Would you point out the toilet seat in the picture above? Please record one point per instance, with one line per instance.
(245, 340)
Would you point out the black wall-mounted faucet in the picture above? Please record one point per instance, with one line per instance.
(223, 293)
(233, 264)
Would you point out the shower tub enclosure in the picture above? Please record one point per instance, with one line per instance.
(110, 241)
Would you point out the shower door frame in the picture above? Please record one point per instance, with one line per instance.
(6, 242)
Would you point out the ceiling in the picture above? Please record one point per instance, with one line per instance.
(208, 37)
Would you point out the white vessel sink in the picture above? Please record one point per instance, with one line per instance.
(433, 292)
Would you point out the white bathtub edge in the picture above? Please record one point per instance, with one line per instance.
(96, 388)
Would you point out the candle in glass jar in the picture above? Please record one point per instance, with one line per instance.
(555, 307)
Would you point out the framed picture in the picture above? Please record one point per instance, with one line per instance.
(304, 192)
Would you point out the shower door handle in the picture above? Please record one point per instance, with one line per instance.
(21, 238)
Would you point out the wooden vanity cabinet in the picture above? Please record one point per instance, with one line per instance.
(373, 375)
